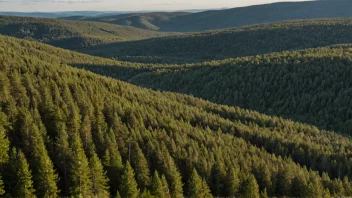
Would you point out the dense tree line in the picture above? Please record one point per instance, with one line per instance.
(68, 132)
(230, 43)
(70, 34)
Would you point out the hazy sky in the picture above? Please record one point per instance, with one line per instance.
(123, 5)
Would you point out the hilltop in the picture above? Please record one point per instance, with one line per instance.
(242, 16)
(70, 34)
(149, 21)
(230, 43)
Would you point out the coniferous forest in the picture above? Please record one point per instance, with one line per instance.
(250, 112)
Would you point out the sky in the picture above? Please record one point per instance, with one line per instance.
(123, 5)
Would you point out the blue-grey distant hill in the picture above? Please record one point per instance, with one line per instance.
(218, 19)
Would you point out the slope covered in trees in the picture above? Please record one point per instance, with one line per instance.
(68, 132)
(242, 16)
(237, 42)
(70, 34)
(149, 21)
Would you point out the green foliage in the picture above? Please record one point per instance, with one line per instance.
(197, 187)
(70, 34)
(21, 184)
(80, 173)
(230, 43)
(99, 179)
(129, 187)
(45, 103)
(140, 166)
(250, 188)
(4, 147)
(157, 186)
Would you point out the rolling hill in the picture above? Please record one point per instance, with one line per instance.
(243, 16)
(236, 42)
(70, 34)
(310, 86)
(149, 21)
(75, 133)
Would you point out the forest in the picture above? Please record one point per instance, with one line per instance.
(70, 34)
(229, 17)
(95, 109)
(229, 43)
(69, 132)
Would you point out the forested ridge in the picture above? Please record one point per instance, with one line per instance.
(149, 21)
(230, 43)
(69, 132)
(235, 17)
(70, 34)
(311, 86)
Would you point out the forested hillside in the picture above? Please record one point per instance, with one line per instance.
(70, 34)
(68, 132)
(149, 21)
(242, 16)
(237, 42)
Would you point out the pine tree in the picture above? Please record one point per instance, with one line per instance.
(197, 187)
(165, 185)
(4, 147)
(140, 165)
(2, 190)
(21, 176)
(250, 188)
(81, 183)
(264, 194)
(218, 174)
(44, 176)
(129, 186)
(157, 186)
(99, 179)
(63, 154)
(233, 183)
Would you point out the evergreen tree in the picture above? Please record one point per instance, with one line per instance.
(218, 174)
(140, 165)
(197, 187)
(81, 183)
(264, 194)
(4, 147)
(129, 186)
(165, 185)
(99, 179)
(44, 176)
(21, 176)
(233, 183)
(250, 188)
(157, 186)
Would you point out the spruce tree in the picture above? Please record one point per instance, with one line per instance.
(129, 186)
(218, 174)
(98, 175)
(44, 176)
(197, 187)
(264, 194)
(250, 188)
(140, 166)
(157, 186)
(81, 183)
(233, 183)
(165, 185)
(21, 176)
(4, 147)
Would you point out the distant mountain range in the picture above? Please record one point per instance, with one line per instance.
(227, 18)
